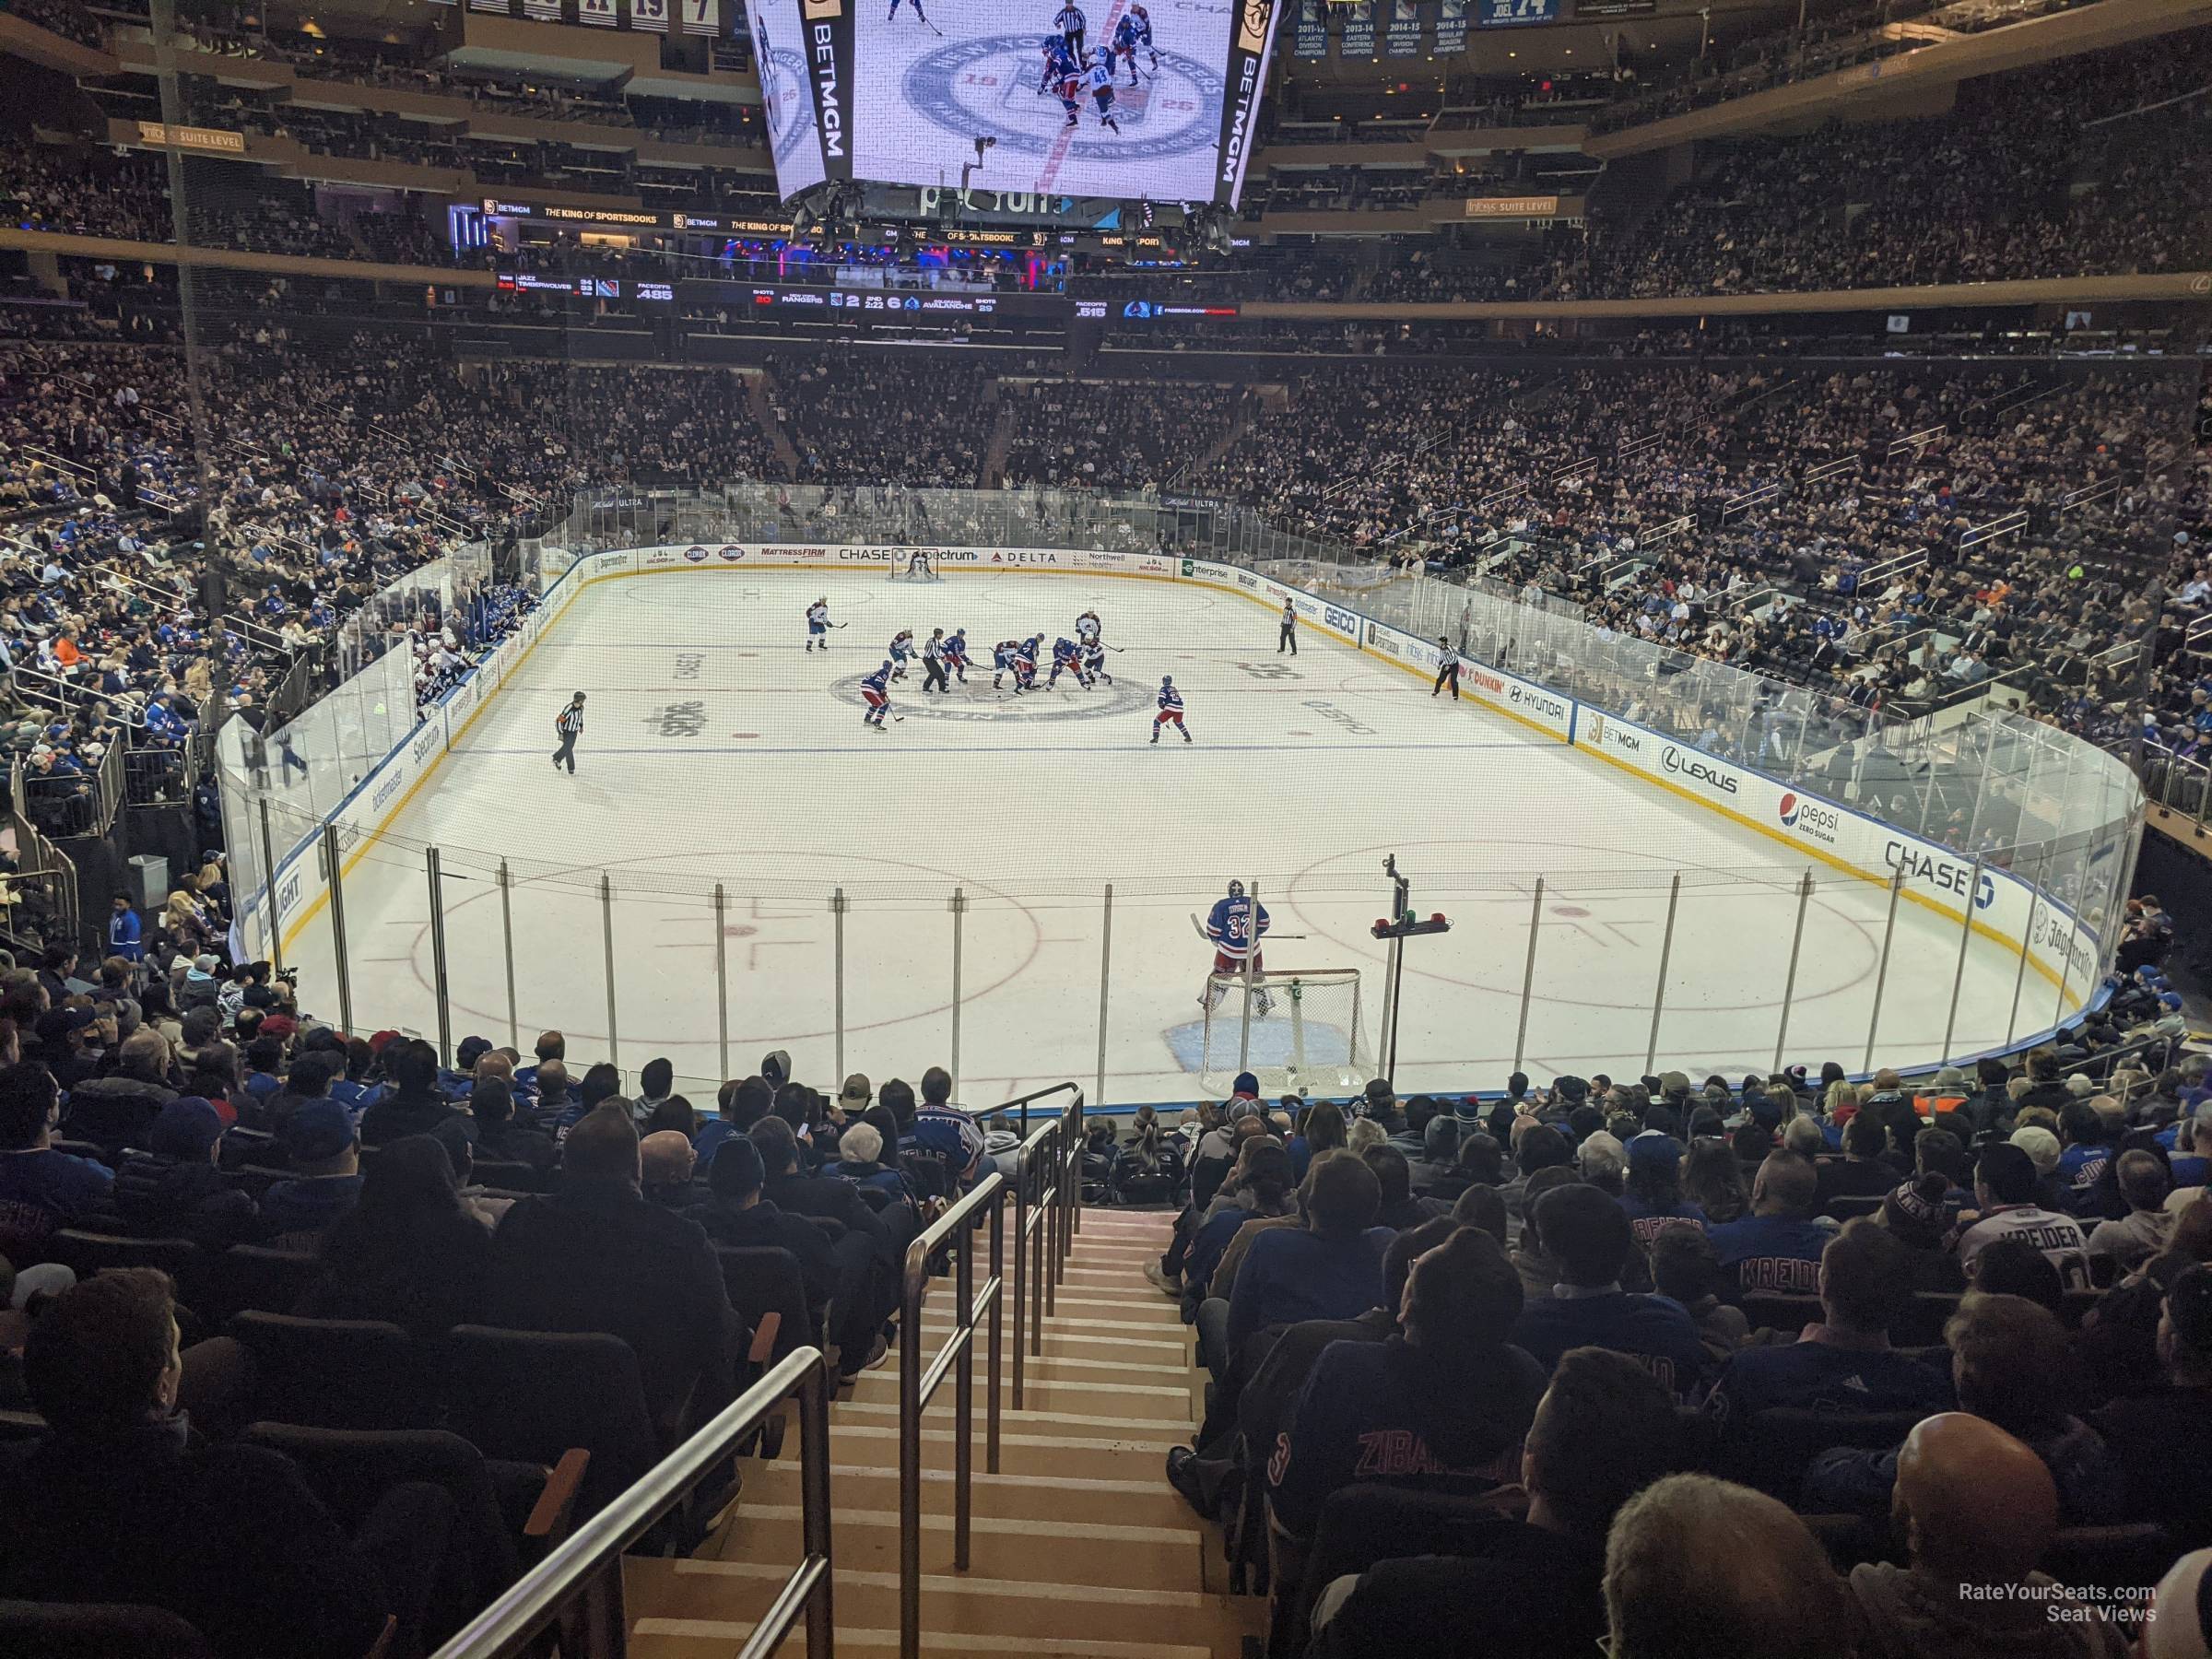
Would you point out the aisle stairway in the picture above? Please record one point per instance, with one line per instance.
(1079, 1548)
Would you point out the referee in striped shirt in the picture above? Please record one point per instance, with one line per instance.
(569, 722)
(1447, 668)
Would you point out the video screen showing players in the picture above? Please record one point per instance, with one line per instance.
(793, 138)
(1116, 98)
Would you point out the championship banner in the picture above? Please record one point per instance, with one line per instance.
(1313, 38)
(1515, 14)
(649, 14)
(1405, 37)
(826, 42)
(1359, 31)
(1452, 28)
(700, 17)
(599, 13)
(1250, 41)
(542, 11)
(500, 7)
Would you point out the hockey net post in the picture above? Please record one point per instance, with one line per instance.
(1299, 1032)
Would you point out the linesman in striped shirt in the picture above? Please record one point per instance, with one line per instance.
(568, 723)
(1447, 668)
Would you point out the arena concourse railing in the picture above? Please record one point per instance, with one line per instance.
(574, 1596)
(1937, 888)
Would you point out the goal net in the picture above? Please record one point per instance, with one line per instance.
(1298, 1033)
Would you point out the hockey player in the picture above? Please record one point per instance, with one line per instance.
(817, 625)
(1171, 709)
(1069, 21)
(1060, 66)
(1088, 629)
(1068, 655)
(955, 653)
(1094, 662)
(875, 691)
(1024, 663)
(1135, 30)
(1235, 925)
(903, 650)
(1002, 662)
(918, 12)
(933, 663)
(1098, 80)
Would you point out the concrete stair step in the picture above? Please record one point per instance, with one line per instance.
(1118, 1451)
(718, 1639)
(1139, 1498)
(960, 1612)
(1094, 1419)
(1144, 1399)
(1085, 1552)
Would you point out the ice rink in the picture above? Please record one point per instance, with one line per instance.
(718, 750)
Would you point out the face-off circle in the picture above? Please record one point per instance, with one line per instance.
(987, 88)
(976, 701)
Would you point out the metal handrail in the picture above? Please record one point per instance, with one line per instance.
(587, 1569)
(955, 1228)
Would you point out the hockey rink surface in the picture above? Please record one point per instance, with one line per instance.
(717, 750)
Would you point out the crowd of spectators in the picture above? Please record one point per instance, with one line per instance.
(1984, 1295)
(884, 419)
(1124, 435)
(166, 1095)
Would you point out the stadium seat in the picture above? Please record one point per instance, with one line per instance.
(1778, 1444)
(336, 1374)
(88, 1630)
(1781, 1312)
(762, 1279)
(257, 1277)
(532, 1395)
(85, 1254)
(2110, 1559)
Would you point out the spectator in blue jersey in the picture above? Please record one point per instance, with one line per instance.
(1844, 1363)
(1777, 1247)
(41, 1191)
(1587, 1235)
(1533, 1588)
(1449, 1397)
(2085, 1147)
(939, 1144)
(1653, 1200)
(414, 1106)
(124, 931)
(1329, 1268)
(551, 1045)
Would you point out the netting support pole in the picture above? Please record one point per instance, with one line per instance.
(1528, 970)
(439, 986)
(960, 912)
(721, 981)
(1881, 973)
(2019, 978)
(606, 930)
(515, 1030)
(1252, 964)
(1105, 968)
(1789, 985)
(268, 890)
(332, 863)
(1966, 935)
(1666, 950)
(838, 906)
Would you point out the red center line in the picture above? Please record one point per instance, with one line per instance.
(1068, 134)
